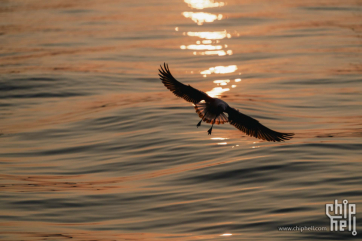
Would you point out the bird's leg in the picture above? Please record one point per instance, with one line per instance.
(209, 131)
(199, 124)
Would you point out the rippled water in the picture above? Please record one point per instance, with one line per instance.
(94, 147)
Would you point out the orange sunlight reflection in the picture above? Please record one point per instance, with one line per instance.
(201, 17)
(201, 4)
(201, 47)
(220, 69)
(218, 52)
(210, 35)
(206, 46)
(222, 81)
(205, 42)
(217, 91)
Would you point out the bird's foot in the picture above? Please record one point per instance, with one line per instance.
(199, 124)
(209, 131)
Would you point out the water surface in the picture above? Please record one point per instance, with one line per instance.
(94, 147)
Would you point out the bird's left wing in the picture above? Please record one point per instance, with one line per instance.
(253, 128)
(187, 92)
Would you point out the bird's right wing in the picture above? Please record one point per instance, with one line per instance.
(252, 127)
(187, 92)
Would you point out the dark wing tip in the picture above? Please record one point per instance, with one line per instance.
(264, 133)
(186, 92)
(254, 128)
(162, 71)
(170, 82)
(165, 71)
(279, 137)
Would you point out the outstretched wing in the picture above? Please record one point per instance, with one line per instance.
(184, 91)
(253, 128)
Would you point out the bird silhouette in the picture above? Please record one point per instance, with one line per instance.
(214, 110)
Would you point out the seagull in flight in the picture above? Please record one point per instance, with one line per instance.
(213, 110)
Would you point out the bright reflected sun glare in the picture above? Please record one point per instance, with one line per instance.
(201, 47)
(217, 91)
(210, 35)
(220, 69)
(218, 52)
(218, 138)
(201, 4)
(201, 17)
(222, 81)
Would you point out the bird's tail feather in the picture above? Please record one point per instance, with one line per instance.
(208, 114)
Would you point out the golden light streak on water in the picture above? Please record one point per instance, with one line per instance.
(219, 52)
(217, 91)
(218, 138)
(201, 4)
(220, 69)
(201, 47)
(201, 17)
(222, 82)
(222, 143)
(210, 35)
